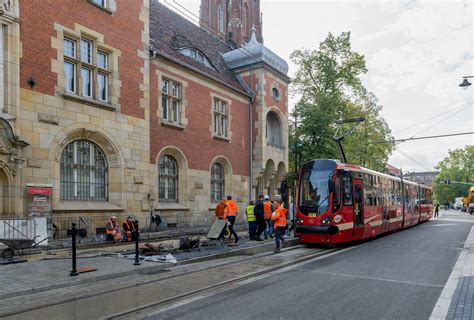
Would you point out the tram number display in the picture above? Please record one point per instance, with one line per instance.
(312, 214)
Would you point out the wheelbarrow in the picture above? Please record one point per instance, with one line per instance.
(15, 245)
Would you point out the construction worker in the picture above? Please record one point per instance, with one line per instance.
(252, 220)
(279, 217)
(128, 229)
(112, 230)
(220, 209)
(267, 214)
(261, 223)
(230, 213)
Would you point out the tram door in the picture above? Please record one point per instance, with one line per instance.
(358, 208)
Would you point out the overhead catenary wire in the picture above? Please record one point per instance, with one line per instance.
(442, 120)
(413, 160)
(434, 117)
(425, 137)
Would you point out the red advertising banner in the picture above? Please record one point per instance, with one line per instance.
(39, 201)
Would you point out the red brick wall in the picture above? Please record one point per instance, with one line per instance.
(122, 30)
(281, 104)
(196, 141)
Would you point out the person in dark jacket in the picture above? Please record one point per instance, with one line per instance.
(261, 223)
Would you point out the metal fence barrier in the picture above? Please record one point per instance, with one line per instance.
(94, 227)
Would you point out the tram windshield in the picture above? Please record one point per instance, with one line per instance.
(314, 192)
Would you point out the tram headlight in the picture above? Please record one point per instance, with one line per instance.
(326, 220)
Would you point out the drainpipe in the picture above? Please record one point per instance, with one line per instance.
(251, 101)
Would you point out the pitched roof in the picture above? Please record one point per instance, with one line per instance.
(170, 32)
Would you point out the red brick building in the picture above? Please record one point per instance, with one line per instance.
(122, 107)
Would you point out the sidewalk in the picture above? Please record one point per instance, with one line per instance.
(457, 298)
(53, 273)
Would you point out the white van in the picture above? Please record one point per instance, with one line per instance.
(458, 203)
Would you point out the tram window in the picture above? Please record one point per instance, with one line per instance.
(347, 190)
(337, 191)
(428, 196)
(422, 196)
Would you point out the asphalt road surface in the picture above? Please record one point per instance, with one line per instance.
(399, 276)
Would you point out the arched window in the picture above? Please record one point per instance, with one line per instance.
(168, 179)
(217, 182)
(83, 172)
(220, 18)
(273, 127)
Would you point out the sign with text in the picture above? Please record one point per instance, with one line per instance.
(39, 201)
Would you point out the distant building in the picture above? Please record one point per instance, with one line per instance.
(393, 171)
(422, 177)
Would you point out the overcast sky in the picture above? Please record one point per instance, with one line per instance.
(416, 53)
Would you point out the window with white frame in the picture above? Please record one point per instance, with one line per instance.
(86, 68)
(83, 172)
(197, 56)
(171, 101)
(217, 182)
(100, 3)
(221, 118)
(167, 179)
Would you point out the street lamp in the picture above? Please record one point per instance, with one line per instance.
(465, 83)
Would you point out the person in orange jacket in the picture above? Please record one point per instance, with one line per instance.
(268, 208)
(128, 229)
(279, 220)
(220, 208)
(113, 230)
(230, 213)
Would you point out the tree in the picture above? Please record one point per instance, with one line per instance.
(330, 90)
(457, 166)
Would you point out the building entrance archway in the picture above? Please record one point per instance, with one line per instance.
(5, 193)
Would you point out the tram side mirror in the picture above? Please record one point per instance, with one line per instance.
(332, 186)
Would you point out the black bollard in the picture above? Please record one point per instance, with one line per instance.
(74, 270)
(137, 260)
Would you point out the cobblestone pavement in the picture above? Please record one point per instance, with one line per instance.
(456, 300)
(461, 305)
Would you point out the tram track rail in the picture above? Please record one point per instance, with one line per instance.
(180, 277)
(131, 312)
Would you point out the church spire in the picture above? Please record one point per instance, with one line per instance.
(232, 20)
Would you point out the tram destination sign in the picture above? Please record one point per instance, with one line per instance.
(39, 200)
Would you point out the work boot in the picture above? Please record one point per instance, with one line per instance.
(258, 239)
(236, 240)
(277, 250)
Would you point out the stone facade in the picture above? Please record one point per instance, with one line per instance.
(49, 117)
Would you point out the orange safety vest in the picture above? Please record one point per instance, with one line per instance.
(111, 228)
(128, 228)
(279, 216)
(267, 209)
(231, 209)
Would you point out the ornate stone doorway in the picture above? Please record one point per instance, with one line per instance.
(5, 194)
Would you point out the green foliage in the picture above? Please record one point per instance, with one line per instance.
(457, 166)
(328, 81)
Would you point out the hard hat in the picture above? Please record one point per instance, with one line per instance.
(113, 217)
(266, 197)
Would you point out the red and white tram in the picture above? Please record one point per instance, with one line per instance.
(339, 202)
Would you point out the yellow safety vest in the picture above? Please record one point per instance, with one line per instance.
(250, 214)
